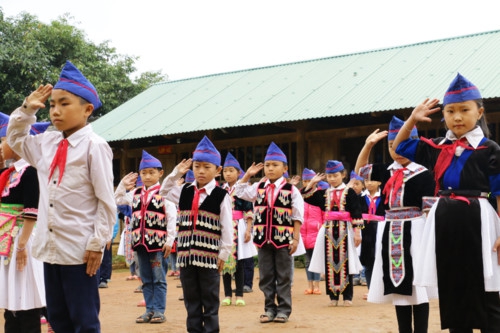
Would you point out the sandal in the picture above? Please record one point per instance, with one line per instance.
(240, 302)
(267, 317)
(226, 302)
(281, 318)
(333, 303)
(145, 318)
(316, 292)
(308, 292)
(158, 318)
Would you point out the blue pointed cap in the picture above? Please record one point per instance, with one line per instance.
(354, 175)
(231, 161)
(4, 122)
(461, 90)
(308, 174)
(242, 173)
(126, 210)
(274, 153)
(189, 177)
(333, 166)
(394, 127)
(40, 127)
(322, 185)
(206, 152)
(72, 80)
(149, 161)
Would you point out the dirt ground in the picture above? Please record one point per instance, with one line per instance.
(310, 312)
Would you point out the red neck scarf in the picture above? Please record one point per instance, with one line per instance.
(446, 156)
(59, 160)
(4, 177)
(393, 185)
(196, 203)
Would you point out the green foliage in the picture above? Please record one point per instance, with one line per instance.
(33, 53)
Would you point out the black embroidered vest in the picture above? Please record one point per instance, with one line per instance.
(273, 224)
(198, 243)
(149, 223)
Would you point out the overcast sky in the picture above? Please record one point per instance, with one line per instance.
(187, 39)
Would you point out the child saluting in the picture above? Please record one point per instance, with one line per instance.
(462, 231)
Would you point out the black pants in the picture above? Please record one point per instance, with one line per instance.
(493, 315)
(347, 294)
(420, 314)
(27, 321)
(238, 279)
(249, 267)
(201, 288)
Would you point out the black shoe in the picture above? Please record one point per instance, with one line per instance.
(103, 284)
(247, 289)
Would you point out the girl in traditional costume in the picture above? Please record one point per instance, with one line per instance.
(463, 229)
(404, 184)
(335, 250)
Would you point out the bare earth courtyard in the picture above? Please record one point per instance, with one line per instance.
(310, 312)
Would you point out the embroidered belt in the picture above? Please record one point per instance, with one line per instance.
(463, 195)
(372, 217)
(335, 215)
(403, 214)
(428, 202)
(237, 215)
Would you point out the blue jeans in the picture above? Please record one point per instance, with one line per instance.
(153, 269)
(311, 276)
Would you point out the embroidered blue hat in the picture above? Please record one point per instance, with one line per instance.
(354, 175)
(206, 152)
(286, 175)
(333, 166)
(231, 161)
(4, 122)
(461, 90)
(322, 185)
(274, 153)
(38, 128)
(149, 161)
(308, 174)
(189, 177)
(394, 127)
(72, 80)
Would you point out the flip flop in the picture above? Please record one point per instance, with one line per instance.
(145, 318)
(226, 302)
(281, 318)
(308, 292)
(266, 317)
(316, 292)
(240, 302)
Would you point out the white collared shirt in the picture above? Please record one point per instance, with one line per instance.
(79, 213)
(473, 137)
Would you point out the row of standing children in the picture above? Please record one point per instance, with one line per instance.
(457, 243)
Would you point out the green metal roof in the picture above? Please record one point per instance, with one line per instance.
(379, 80)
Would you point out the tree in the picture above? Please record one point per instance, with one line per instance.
(33, 53)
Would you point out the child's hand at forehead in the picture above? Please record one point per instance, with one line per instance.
(184, 165)
(37, 99)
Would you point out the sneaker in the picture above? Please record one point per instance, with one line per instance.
(103, 284)
(247, 289)
(363, 282)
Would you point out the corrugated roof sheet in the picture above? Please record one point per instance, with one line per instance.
(378, 80)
